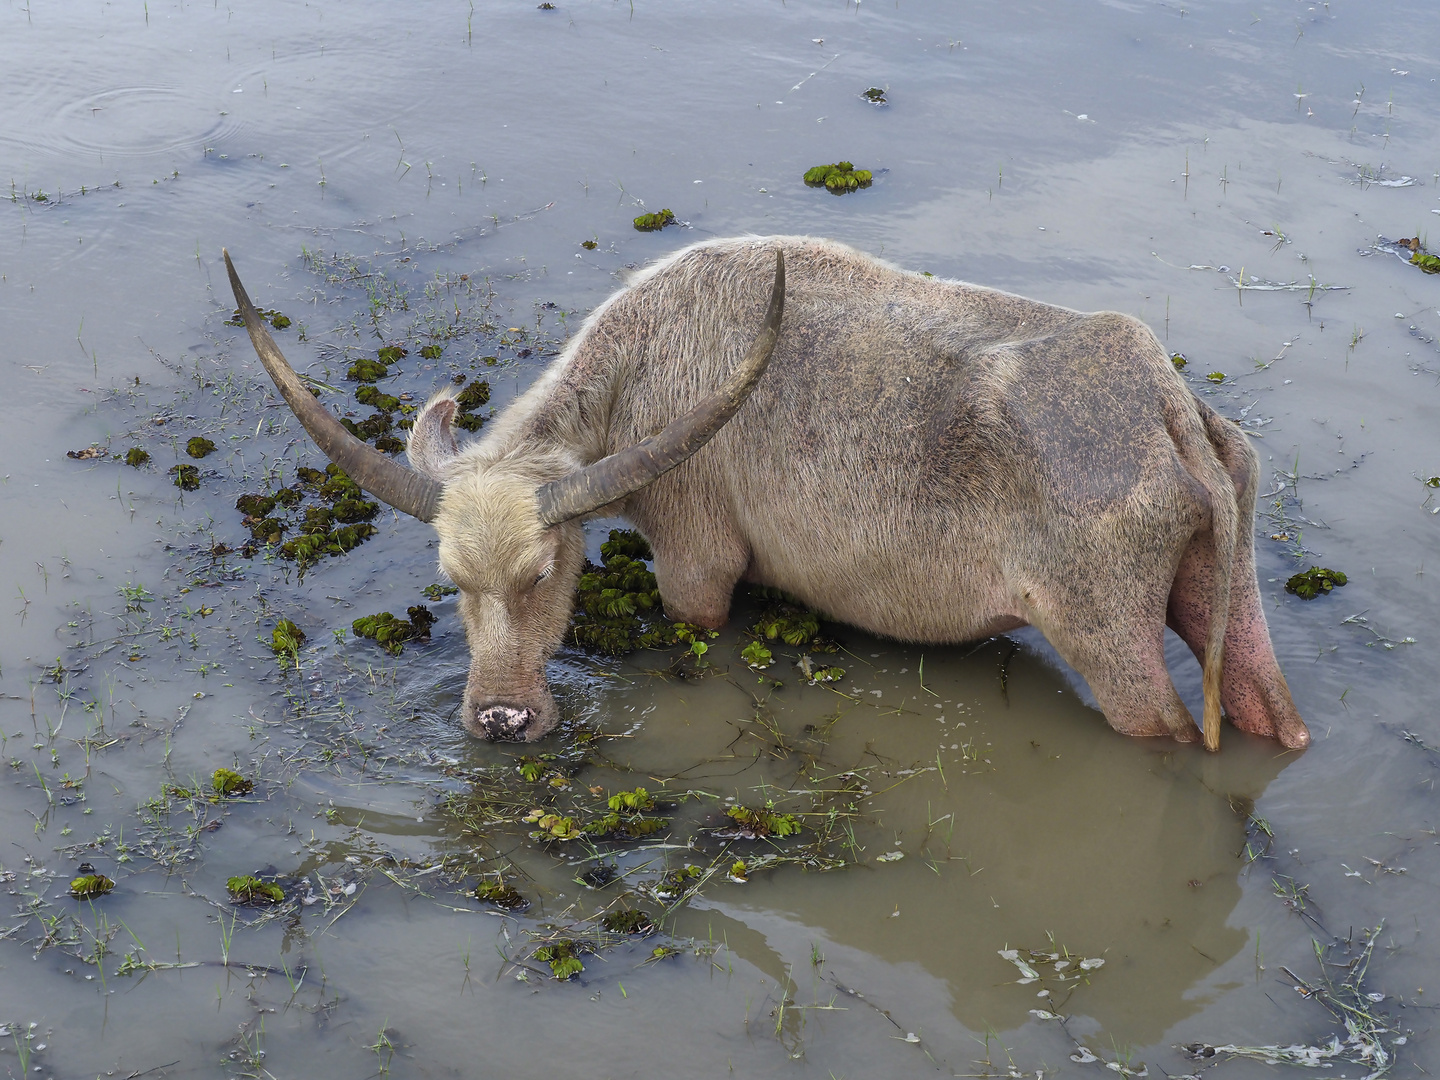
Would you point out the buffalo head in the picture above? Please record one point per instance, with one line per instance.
(509, 521)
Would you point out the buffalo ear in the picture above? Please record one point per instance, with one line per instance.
(431, 448)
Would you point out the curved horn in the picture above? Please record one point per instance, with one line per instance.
(405, 490)
(629, 470)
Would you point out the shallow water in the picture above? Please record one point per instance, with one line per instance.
(1170, 161)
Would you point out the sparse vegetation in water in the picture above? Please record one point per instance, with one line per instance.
(286, 639)
(503, 896)
(270, 315)
(550, 826)
(392, 354)
(437, 591)
(563, 956)
(385, 629)
(89, 886)
(1178, 359)
(599, 875)
(1216, 376)
(369, 394)
(623, 921)
(187, 477)
(135, 457)
(199, 447)
(1419, 257)
(248, 889)
(749, 823)
(656, 221)
(229, 784)
(432, 351)
(816, 674)
(589, 245)
(875, 96)
(1309, 584)
(839, 178)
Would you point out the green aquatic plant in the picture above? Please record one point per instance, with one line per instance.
(135, 457)
(1178, 359)
(839, 178)
(617, 607)
(248, 889)
(875, 96)
(655, 222)
(1216, 376)
(229, 783)
(187, 477)
(1426, 262)
(431, 352)
(784, 618)
(89, 886)
(563, 956)
(286, 639)
(549, 826)
(367, 371)
(632, 802)
(1309, 584)
(267, 530)
(273, 317)
(392, 354)
(628, 922)
(199, 447)
(369, 394)
(438, 592)
(503, 896)
(385, 629)
(757, 656)
(750, 823)
(255, 505)
(589, 245)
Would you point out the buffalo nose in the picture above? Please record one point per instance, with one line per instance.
(500, 723)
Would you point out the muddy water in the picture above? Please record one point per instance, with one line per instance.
(1198, 166)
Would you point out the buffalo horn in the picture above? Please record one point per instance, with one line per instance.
(629, 470)
(404, 489)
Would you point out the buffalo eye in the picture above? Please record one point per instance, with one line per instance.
(544, 574)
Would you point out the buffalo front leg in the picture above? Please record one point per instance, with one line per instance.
(697, 576)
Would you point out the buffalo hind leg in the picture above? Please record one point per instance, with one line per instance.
(1118, 647)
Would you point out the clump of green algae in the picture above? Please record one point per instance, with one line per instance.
(618, 607)
(839, 178)
(503, 896)
(1309, 584)
(392, 633)
(199, 447)
(89, 886)
(475, 394)
(227, 783)
(624, 921)
(135, 457)
(563, 956)
(286, 639)
(187, 477)
(248, 889)
(656, 221)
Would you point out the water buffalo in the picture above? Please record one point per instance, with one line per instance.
(927, 460)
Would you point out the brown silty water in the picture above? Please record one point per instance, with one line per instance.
(1236, 178)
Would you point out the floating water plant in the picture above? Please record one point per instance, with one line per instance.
(1309, 584)
(475, 395)
(248, 889)
(838, 178)
(1178, 359)
(599, 875)
(757, 824)
(589, 245)
(628, 922)
(385, 629)
(757, 656)
(1419, 257)
(135, 457)
(875, 96)
(550, 826)
(618, 604)
(187, 477)
(785, 619)
(654, 222)
(1216, 376)
(369, 394)
(431, 352)
(392, 354)
(228, 784)
(367, 370)
(286, 639)
(501, 895)
(563, 956)
(438, 591)
(199, 447)
(89, 886)
(273, 317)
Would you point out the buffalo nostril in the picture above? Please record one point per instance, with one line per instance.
(500, 723)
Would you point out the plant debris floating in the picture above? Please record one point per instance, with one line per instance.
(228, 783)
(385, 629)
(187, 477)
(199, 447)
(875, 96)
(248, 889)
(839, 178)
(503, 896)
(89, 886)
(1309, 584)
(654, 222)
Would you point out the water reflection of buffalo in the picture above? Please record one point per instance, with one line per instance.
(927, 460)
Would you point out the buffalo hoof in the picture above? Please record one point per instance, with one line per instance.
(500, 723)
